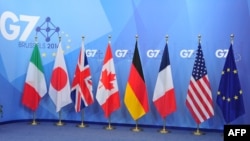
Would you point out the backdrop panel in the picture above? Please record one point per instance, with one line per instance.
(183, 21)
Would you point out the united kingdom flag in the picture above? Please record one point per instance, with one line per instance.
(81, 91)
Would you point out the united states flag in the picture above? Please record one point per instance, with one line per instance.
(81, 91)
(199, 98)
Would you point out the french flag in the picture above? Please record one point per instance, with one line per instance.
(164, 94)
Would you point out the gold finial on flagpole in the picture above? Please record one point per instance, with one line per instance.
(36, 39)
(166, 38)
(232, 38)
(199, 38)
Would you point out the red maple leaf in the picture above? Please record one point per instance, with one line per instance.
(107, 78)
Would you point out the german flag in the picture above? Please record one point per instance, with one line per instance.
(136, 99)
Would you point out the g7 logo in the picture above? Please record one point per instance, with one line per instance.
(91, 52)
(121, 53)
(221, 53)
(153, 53)
(8, 19)
(186, 53)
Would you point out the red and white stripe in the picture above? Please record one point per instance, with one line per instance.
(199, 99)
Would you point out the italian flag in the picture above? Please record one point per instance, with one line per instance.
(35, 85)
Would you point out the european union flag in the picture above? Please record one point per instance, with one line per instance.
(230, 95)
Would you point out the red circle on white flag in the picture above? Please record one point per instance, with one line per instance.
(59, 78)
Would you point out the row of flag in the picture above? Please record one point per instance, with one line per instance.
(198, 101)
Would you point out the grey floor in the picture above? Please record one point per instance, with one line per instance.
(49, 131)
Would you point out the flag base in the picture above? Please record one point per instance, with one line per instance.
(82, 125)
(198, 133)
(136, 129)
(34, 122)
(164, 131)
(60, 123)
(109, 127)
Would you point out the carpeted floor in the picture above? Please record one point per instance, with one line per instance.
(49, 131)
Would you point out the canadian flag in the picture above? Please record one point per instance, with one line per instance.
(59, 89)
(107, 93)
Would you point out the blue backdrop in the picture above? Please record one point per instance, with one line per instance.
(182, 20)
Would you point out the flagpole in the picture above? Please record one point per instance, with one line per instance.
(198, 132)
(164, 130)
(199, 39)
(60, 123)
(82, 125)
(232, 38)
(83, 39)
(109, 127)
(136, 128)
(136, 37)
(34, 122)
(109, 38)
